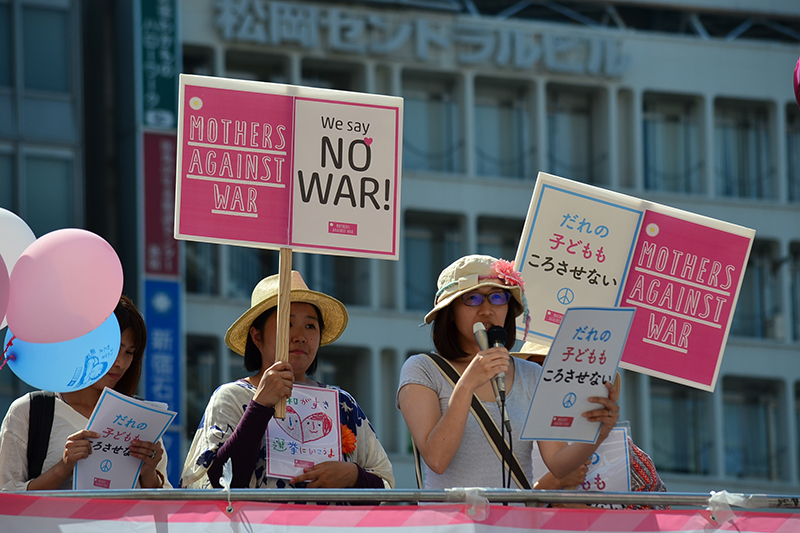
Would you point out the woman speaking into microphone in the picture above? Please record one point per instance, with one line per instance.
(448, 400)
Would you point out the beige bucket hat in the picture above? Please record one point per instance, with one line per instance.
(265, 296)
(532, 352)
(473, 271)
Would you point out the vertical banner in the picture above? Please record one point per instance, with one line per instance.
(162, 362)
(161, 255)
(159, 57)
(160, 51)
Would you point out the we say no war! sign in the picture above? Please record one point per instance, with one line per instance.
(272, 166)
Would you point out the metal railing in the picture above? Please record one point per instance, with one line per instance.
(417, 496)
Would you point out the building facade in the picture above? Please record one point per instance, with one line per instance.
(687, 104)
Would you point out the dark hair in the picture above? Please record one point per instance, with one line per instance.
(445, 333)
(129, 317)
(252, 355)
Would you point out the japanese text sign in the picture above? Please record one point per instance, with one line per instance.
(585, 354)
(119, 420)
(609, 467)
(280, 166)
(586, 246)
(310, 434)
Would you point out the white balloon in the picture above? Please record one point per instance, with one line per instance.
(17, 236)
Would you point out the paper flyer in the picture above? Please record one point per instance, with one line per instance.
(119, 419)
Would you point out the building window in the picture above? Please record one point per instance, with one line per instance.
(198, 60)
(758, 310)
(326, 74)
(793, 153)
(503, 143)
(432, 242)
(682, 435)
(671, 145)
(743, 151)
(794, 250)
(202, 377)
(49, 193)
(202, 267)
(432, 137)
(245, 268)
(752, 428)
(257, 67)
(575, 143)
(46, 50)
(7, 190)
(349, 368)
(5, 46)
(345, 278)
(499, 237)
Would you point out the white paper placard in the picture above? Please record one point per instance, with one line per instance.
(310, 434)
(585, 353)
(119, 419)
(609, 467)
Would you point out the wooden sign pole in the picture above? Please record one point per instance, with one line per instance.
(284, 306)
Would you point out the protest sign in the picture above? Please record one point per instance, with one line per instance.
(119, 420)
(311, 432)
(682, 270)
(584, 355)
(280, 166)
(609, 467)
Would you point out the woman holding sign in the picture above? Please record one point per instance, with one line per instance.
(69, 441)
(236, 423)
(448, 399)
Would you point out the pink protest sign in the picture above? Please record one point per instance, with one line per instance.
(583, 245)
(684, 281)
(273, 166)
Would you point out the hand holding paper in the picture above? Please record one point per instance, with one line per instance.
(607, 417)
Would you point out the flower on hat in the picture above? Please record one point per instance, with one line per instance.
(505, 271)
(348, 440)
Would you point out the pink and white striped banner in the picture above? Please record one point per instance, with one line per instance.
(25, 513)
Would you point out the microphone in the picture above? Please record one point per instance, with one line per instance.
(498, 337)
(481, 337)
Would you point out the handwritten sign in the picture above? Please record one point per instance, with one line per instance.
(119, 420)
(310, 434)
(609, 467)
(584, 355)
(586, 246)
(270, 166)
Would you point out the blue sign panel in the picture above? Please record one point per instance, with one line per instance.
(162, 361)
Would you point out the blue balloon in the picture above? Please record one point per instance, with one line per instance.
(65, 366)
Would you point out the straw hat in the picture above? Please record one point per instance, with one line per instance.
(265, 296)
(473, 271)
(532, 352)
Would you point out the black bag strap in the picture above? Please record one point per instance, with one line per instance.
(486, 422)
(43, 406)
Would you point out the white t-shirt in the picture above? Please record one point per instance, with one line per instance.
(14, 443)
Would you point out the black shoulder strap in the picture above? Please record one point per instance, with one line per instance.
(43, 406)
(485, 420)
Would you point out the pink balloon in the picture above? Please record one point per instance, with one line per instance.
(3, 289)
(796, 82)
(63, 286)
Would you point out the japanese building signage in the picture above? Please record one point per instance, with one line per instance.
(467, 41)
